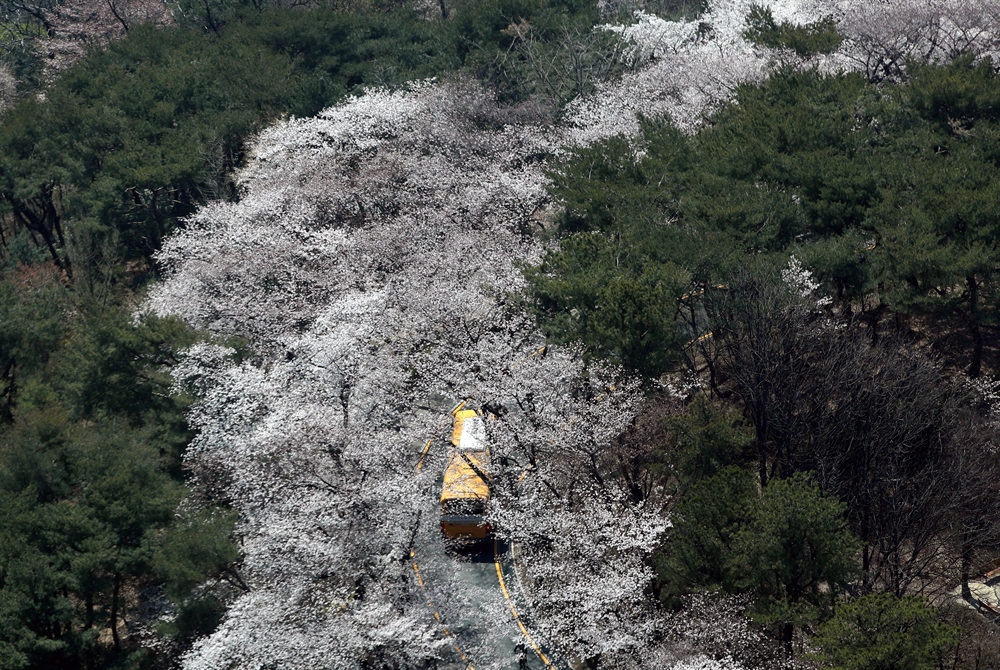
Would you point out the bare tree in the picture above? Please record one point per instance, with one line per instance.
(763, 333)
(881, 37)
(77, 25)
(884, 427)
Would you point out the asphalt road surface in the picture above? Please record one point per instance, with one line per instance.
(463, 586)
(488, 633)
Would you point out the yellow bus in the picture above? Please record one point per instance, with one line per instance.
(466, 488)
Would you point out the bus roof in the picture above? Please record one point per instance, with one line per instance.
(461, 481)
(473, 435)
(459, 424)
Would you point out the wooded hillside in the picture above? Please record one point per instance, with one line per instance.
(722, 276)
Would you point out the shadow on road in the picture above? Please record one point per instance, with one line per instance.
(497, 648)
(473, 551)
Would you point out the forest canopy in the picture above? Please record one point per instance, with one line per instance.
(886, 192)
(722, 277)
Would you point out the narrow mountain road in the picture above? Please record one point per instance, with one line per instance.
(473, 590)
(484, 603)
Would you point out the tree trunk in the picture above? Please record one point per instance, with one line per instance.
(36, 224)
(88, 620)
(787, 634)
(874, 316)
(975, 367)
(761, 431)
(762, 464)
(212, 23)
(866, 547)
(114, 611)
(966, 566)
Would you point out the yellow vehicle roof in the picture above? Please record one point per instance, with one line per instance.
(461, 481)
(460, 417)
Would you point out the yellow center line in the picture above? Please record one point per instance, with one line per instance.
(513, 610)
(416, 568)
(437, 615)
(496, 563)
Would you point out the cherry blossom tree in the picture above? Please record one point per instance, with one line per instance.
(882, 36)
(373, 267)
(687, 69)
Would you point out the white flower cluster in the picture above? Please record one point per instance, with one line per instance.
(880, 37)
(370, 265)
(692, 67)
(799, 278)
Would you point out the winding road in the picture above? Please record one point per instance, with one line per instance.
(484, 573)
(482, 580)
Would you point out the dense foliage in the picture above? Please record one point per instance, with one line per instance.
(757, 275)
(135, 137)
(102, 533)
(882, 631)
(823, 254)
(886, 192)
(89, 472)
